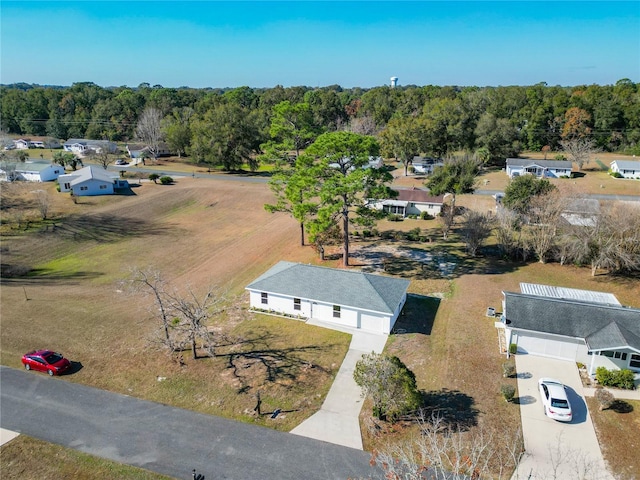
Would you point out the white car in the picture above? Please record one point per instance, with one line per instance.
(554, 399)
(121, 161)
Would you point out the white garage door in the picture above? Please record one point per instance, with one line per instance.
(547, 346)
(371, 323)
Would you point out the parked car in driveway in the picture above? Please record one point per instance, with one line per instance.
(45, 361)
(554, 399)
(121, 161)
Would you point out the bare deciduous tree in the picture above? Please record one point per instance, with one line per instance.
(443, 452)
(579, 150)
(476, 229)
(183, 317)
(149, 130)
(101, 155)
(508, 231)
(363, 126)
(43, 203)
(543, 222)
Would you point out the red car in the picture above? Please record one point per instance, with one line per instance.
(46, 361)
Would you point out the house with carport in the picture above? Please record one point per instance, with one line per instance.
(82, 146)
(583, 326)
(411, 201)
(626, 168)
(538, 168)
(91, 180)
(345, 298)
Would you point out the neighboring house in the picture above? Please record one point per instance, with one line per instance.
(575, 325)
(81, 146)
(136, 150)
(582, 212)
(30, 171)
(538, 168)
(412, 201)
(91, 180)
(425, 165)
(22, 143)
(626, 168)
(344, 297)
(373, 162)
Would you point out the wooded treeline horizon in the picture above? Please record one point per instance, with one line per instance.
(213, 125)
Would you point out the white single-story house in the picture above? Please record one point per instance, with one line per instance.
(411, 201)
(136, 150)
(346, 298)
(30, 171)
(81, 146)
(575, 325)
(538, 168)
(91, 180)
(425, 165)
(22, 143)
(626, 168)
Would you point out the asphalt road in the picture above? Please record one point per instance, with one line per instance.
(164, 439)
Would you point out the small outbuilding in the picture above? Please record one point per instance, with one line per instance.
(346, 298)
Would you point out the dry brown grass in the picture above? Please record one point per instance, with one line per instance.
(21, 459)
(618, 434)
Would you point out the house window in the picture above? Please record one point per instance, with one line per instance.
(67, 186)
(103, 187)
(264, 298)
(84, 188)
(296, 304)
(336, 311)
(635, 361)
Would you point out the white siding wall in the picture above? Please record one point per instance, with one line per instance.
(92, 188)
(418, 208)
(349, 317)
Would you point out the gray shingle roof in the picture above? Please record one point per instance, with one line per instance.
(601, 326)
(92, 172)
(628, 164)
(527, 162)
(339, 287)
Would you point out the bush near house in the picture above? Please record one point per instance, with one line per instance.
(508, 369)
(615, 174)
(508, 392)
(615, 378)
(166, 180)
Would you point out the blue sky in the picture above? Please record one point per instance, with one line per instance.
(263, 44)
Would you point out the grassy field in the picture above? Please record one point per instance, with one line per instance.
(61, 289)
(618, 431)
(19, 461)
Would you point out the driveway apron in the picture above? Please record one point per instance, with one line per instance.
(337, 421)
(555, 450)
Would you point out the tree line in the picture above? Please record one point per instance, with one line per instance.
(233, 127)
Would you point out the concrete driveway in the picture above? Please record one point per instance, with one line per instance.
(555, 450)
(337, 421)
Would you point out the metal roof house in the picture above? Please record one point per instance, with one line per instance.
(91, 180)
(83, 146)
(346, 298)
(574, 325)
(626, 168)
(538, 168)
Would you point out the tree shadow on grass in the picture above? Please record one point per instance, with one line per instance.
(456, 409)
(104, 228)
(15, 275)
(253, 362)
(620, 406)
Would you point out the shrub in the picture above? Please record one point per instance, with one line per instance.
(615, 378)
(355, 233)
(166, 180)
(414, 234)
(508, 392)
(375, 232)
(426, 216)
(154, 177)
(560, 157)
(605, 398)
(393, 217)
(513, 348)
(508, 369)
(366, 233)
(615, 174)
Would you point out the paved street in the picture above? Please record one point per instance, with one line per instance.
(164, 439)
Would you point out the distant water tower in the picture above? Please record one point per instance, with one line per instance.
(394, 82)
